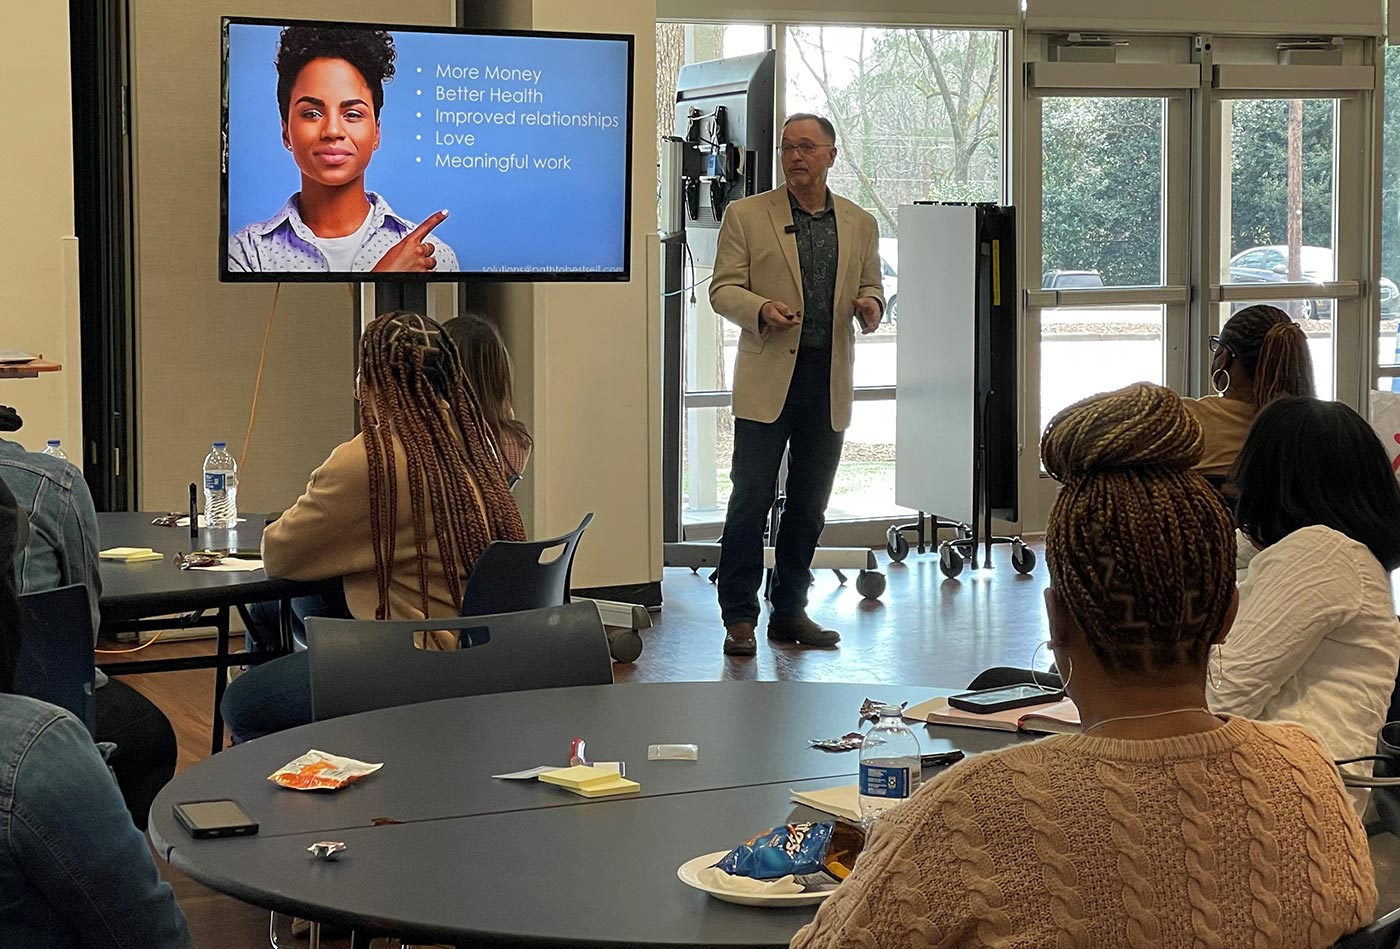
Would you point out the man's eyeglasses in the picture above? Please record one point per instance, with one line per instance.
(1216, 345)
(805, 149)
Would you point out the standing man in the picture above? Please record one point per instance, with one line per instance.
(794, 270)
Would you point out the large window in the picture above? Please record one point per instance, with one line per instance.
(1388, 340)
(1280, 159)
(918, 116)
(1102, 193)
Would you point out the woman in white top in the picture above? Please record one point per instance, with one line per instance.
(1316, 640)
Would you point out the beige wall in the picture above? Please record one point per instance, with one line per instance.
(587, 356)
(38, 257)
(198, 340)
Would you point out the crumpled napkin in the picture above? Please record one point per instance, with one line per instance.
(747, 886)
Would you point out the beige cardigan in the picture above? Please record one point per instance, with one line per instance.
(327, 534)
(1238, 838)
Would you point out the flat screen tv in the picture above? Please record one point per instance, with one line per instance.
(361, 152)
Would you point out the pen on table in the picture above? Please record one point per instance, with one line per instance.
(194, 513)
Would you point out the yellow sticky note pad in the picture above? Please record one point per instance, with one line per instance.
(578, 776)
(617, 785)
(590, 781)
(129, 554)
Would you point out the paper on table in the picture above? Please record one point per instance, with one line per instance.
(16, 355)
(232, 565)
(529, 774)
(185, 521)
(842, 801)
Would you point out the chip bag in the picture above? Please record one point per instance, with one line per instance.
(826, 848)
(319, 771)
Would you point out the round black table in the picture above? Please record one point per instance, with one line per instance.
(470, 857)
(132, 593)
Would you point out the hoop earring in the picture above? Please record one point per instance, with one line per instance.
(1215, 382)
(1216, 670)
(1035, 675)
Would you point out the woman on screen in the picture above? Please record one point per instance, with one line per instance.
(330, 89)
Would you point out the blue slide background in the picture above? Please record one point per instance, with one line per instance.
(534, 219)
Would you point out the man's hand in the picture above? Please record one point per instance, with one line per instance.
(868, 312)
(779, 315)
(413, 253)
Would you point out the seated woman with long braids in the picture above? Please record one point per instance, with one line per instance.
(1316, 640)
(1161, 824)
(1260, 355)
(401, 512)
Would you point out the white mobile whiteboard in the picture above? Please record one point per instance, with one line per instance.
(936, 364)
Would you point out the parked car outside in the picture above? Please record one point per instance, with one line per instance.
(889, 261)
(1270, 265)
(1071, 280)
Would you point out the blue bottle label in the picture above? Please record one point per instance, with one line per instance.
(884, 781)
(213, 481)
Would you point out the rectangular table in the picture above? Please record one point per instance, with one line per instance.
(133, 593)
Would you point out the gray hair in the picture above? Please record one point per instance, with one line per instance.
(823, 121)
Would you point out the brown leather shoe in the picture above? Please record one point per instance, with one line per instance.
(739, 640)
(797, 628)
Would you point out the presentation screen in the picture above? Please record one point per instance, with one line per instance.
(365, 152)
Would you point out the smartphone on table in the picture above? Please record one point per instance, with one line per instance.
(986, 701)
(215, 819)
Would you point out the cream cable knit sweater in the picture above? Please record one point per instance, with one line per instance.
(1239, 838)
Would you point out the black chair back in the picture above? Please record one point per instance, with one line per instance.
(360, 665)
(55, 659)
(509, 576)
(1384, 933)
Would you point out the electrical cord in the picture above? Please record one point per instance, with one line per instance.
(690, 289)
(257, 384)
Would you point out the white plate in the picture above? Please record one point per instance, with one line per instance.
(689, 875)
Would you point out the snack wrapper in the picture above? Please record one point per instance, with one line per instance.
(825, 849)
(319, 771)
(847, 742)
(870, 709)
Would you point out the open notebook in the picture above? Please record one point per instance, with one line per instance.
(1049, 719)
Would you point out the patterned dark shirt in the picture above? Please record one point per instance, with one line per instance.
(816, 256)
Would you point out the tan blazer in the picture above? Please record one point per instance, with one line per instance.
(756, 261)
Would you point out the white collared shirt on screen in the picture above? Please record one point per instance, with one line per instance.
(284, 244)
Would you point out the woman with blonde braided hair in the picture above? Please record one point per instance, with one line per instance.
(1260, 355)
(401, 512)
(1159, 825)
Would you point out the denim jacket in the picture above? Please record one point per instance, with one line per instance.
(63, 541)
(74, 870)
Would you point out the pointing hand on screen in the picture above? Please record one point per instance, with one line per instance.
(414, 252)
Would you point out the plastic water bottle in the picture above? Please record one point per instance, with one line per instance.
(55, 450)
(889, 765)
(220, 489)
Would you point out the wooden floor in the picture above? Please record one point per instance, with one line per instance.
(925, 630)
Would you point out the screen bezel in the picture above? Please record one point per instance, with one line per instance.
(227, 276)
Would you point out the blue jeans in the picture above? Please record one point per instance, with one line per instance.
(264, 633)
(276, 695)
(803, 429)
